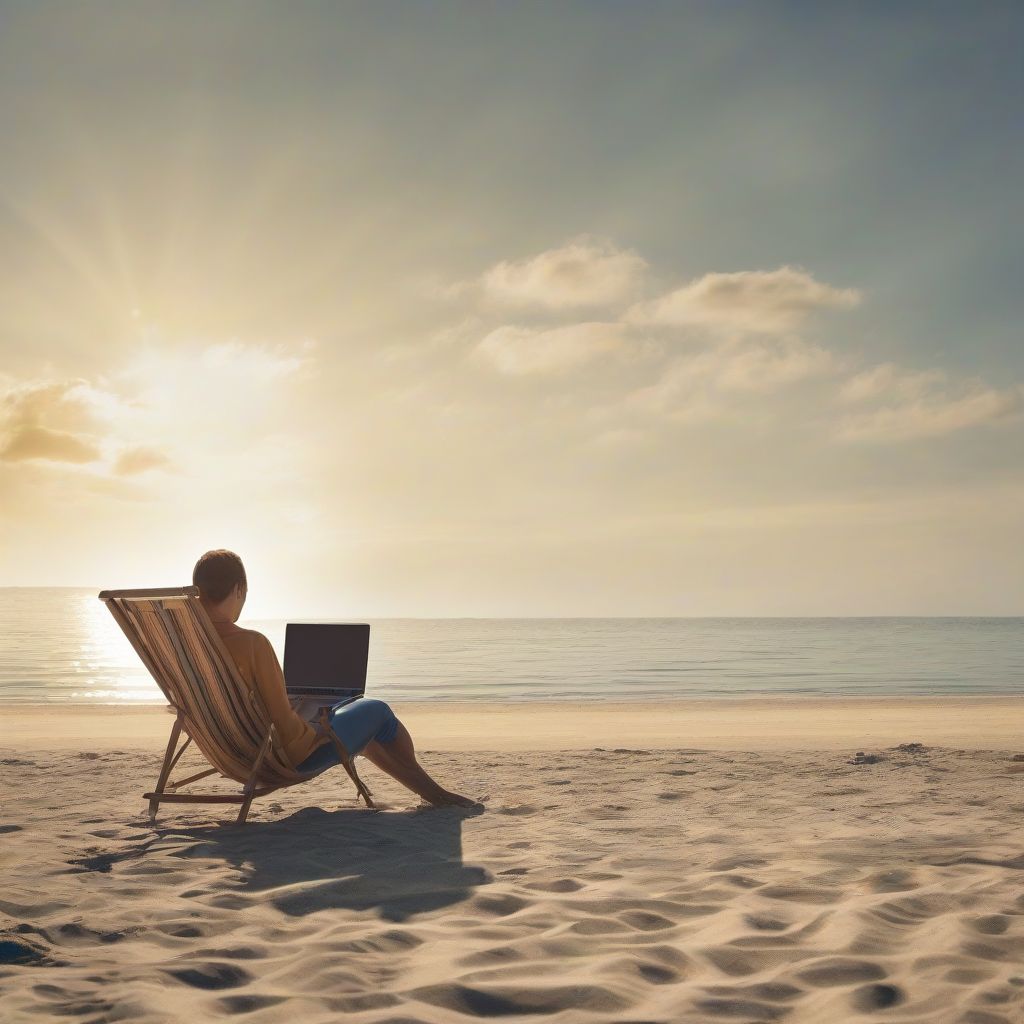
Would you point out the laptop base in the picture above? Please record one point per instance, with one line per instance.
(308, 706)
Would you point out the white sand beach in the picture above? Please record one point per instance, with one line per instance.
(748, 723)
(741, 865)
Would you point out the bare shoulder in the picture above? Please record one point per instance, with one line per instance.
(254, 636)
(245, 637)
(262, 648)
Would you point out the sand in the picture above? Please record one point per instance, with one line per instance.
(746, 867)
(760, 723)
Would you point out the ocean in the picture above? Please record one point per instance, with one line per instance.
(60, 645)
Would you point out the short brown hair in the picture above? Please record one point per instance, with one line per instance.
(216, 574)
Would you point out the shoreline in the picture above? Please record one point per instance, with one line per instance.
(732, 723)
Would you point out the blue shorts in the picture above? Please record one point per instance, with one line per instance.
(356, 724)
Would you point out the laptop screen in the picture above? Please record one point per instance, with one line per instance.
(326, 655)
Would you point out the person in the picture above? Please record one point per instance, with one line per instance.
(367, 726)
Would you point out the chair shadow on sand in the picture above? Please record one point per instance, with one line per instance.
(397, 863)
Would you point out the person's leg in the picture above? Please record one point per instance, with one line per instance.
(370, 727)
(355, 724)
(397, 757)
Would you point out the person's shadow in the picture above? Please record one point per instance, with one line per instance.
(399, 863)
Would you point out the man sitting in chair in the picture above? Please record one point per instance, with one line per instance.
(368, 727)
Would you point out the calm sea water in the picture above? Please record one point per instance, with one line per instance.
(61, 645)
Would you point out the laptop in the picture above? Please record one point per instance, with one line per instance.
(325, 664)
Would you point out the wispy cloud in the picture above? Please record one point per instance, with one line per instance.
(49, 420)
(31, 442)
(194, 398)
(889, 381)
(720, 343)
(520, 351)
(256, 362)
(586, 272)
(133, 461)
(747, 301)
(904, 405)
(719, 380)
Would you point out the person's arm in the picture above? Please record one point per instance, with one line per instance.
(270, 679)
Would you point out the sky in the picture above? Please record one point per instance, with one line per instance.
(492, 309)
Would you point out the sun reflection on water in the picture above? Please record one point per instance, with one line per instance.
(109, 668)
(63, 645)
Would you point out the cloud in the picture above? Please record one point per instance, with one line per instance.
(126, 424)
(33, 442)
(748, 301)
(887, 380)
(519, 351)
(584, 272)
(133, 461)
(256, 362)
(744, 344)
(906, 405)
(50, 420)
(707, 384)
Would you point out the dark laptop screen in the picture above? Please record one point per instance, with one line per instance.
(320, 655)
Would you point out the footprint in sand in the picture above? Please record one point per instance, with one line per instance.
(897, 880)
(745, 1009)
(742, 881)
(993, 924)
(764, 923)
(517, 810)
(248, 1003)
(499, 906)
(655, 974)
(76, 1004)
(493, 957)
(645, 921)
(17, 952)
(73, 933)
(232, 953)
(730, 863)
(558, 885)
(841, 972)
(769, 991)
(598, 926)
(967, 975)
(212, 975)
(518, 1001)
(180, 931)
(876, 997)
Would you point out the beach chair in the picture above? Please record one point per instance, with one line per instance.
(213, 707)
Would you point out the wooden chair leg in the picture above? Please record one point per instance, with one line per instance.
(347, 761)
(165, 770)
(361, 788)
(250, 786)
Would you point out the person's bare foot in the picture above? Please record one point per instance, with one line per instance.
(448, 799)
